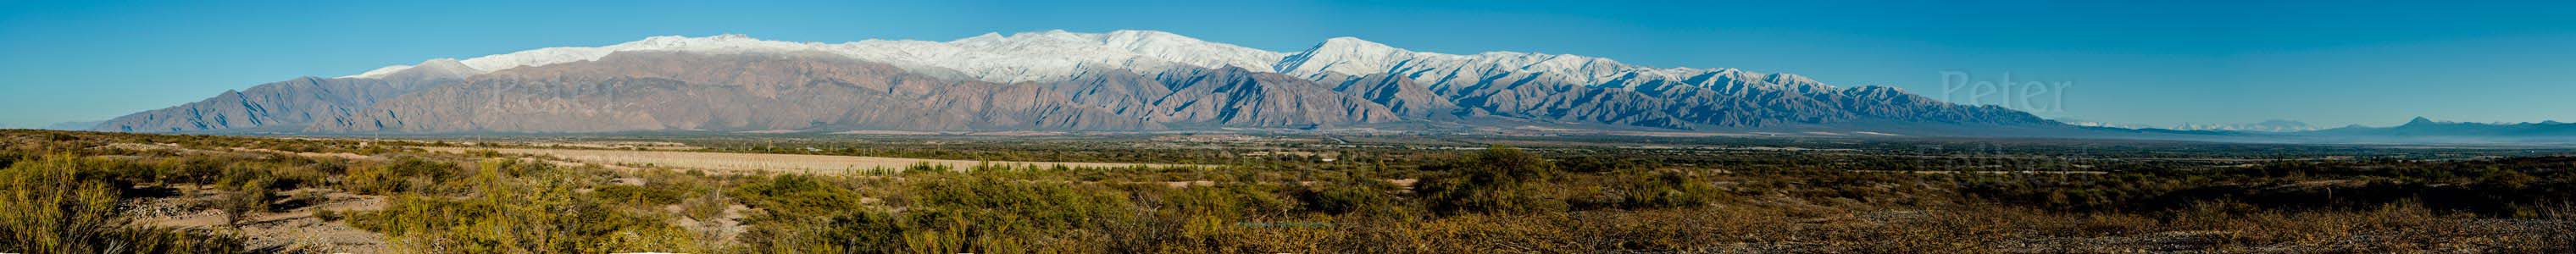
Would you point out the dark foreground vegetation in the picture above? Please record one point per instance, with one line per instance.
(75, 192)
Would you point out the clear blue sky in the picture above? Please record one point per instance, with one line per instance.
(2151, 62)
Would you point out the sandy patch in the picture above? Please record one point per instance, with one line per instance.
(295, 229)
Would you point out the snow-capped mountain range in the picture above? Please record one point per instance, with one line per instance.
(1128, 80)
(1059, 55)
(1050, 80)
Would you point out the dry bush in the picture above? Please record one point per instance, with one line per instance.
(49, 210)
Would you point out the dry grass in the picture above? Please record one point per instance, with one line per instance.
(771, 162)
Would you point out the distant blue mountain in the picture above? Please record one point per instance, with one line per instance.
(73, 126)
(2423, 127)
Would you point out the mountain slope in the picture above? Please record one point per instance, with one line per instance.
(1059, 55)
(1052, 80)
(288, 105)
(664, 90)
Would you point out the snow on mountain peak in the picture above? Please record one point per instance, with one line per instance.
(1345, 56)
(442, 66)
(1354, 56)
(448, 65)
(1058, 55)
(1183, 49)
(379, 71)
(1028, 56)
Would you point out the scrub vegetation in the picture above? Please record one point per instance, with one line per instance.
(79, 192)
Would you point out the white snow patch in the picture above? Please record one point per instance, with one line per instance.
(380, 72)
(1059, 55)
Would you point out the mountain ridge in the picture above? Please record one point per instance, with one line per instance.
(1053, 80)
(1058, 54)
(2427, 127)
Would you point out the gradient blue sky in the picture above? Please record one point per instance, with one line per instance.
(2159, 62)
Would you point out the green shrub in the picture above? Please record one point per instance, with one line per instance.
(49, 210)
(638, 195)
(406, 174)
(1662, 189)
(1359, 196)
(856, 232)
(1501, 179)
(538, 212)
(240, 202)
(706, 207)
(1044, 205)
(1601, 163)
(799, 195)
(1229, 201)
(951, 213)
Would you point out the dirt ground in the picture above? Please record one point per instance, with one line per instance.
(283, 228)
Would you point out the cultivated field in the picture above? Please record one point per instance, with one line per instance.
(771, 162)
